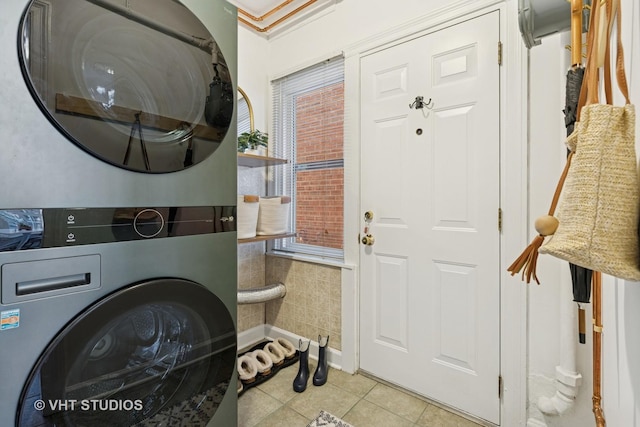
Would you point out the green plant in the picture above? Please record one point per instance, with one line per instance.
(252, 140)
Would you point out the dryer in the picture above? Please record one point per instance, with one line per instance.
(118, 251)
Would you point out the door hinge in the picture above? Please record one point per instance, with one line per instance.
(499, 53)
(499, 386)
(500, 219)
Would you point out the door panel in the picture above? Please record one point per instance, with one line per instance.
(392, 323)
(451, 179)
(393, 129)
(454, 309)
(430, 282)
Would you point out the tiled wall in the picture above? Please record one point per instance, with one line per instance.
(251, 274)
(312, 305)
(251, 255)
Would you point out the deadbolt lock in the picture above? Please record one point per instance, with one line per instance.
(368, 240)
(368, 216)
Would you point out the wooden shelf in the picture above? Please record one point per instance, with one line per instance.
(265, 238)
(253, 161)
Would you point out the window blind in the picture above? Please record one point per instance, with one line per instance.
(294, 137)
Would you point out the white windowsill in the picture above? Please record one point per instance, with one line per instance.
(332, 262)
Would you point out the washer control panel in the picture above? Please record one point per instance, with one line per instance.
(148, 223)
(22, 229)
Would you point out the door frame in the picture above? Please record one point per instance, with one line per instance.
(513, 188)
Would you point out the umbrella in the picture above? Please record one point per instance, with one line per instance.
(580, 276)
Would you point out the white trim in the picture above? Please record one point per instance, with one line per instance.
(446, 16)
(515, 220)
(351, 204)
(350, 316)
(250, 337)
(351, 157)
(306, 64)
(334, 357)
(331, 262)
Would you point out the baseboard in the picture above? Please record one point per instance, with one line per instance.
(334, 357)
(250, 337)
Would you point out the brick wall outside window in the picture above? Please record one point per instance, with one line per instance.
(320, 192)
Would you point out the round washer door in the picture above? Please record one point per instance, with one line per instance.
(142, 85)
(160, 352)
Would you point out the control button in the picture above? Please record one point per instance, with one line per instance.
(71, 219)
(148, 223)
(71, 238)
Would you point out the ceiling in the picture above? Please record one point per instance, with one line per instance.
(259, 7)
(267, 17)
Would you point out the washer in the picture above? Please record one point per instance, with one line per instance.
(118, 246)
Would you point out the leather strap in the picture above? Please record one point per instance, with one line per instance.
(251, 199)
(563, 177)
(589, 93)
(621, 75)
(589, 90)
(582, 100)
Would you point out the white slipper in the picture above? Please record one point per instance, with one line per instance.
(247, 368)
(263, 361)
(287, 348)
(275, 352)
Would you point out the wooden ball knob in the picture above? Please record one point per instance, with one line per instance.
(546, 225)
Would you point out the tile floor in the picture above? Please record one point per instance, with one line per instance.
(356, 399)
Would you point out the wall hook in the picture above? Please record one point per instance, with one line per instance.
(419, 103)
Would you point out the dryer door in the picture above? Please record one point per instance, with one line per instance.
(156, 353)
(142, 85)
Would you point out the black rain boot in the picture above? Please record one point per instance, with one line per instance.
(320, 376)
(300, 381)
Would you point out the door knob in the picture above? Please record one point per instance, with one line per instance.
(368, 240)
(368, 216)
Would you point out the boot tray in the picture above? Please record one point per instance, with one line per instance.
(259, 379)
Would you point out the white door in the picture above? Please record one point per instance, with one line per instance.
(429, 285)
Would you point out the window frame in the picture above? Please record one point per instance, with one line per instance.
(285, 91)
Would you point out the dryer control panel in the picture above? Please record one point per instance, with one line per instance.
(22, 229)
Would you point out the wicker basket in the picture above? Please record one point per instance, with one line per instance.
(247, 221)
(273, 217)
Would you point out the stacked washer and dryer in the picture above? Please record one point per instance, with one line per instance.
(117, 206)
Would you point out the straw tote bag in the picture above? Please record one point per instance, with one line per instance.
(599, 206)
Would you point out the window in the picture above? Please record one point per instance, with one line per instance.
(308, 130)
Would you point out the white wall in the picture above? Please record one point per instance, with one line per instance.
(621, 315)
(549, 63)
(253, 61)
(347, 22)
(253, 57)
